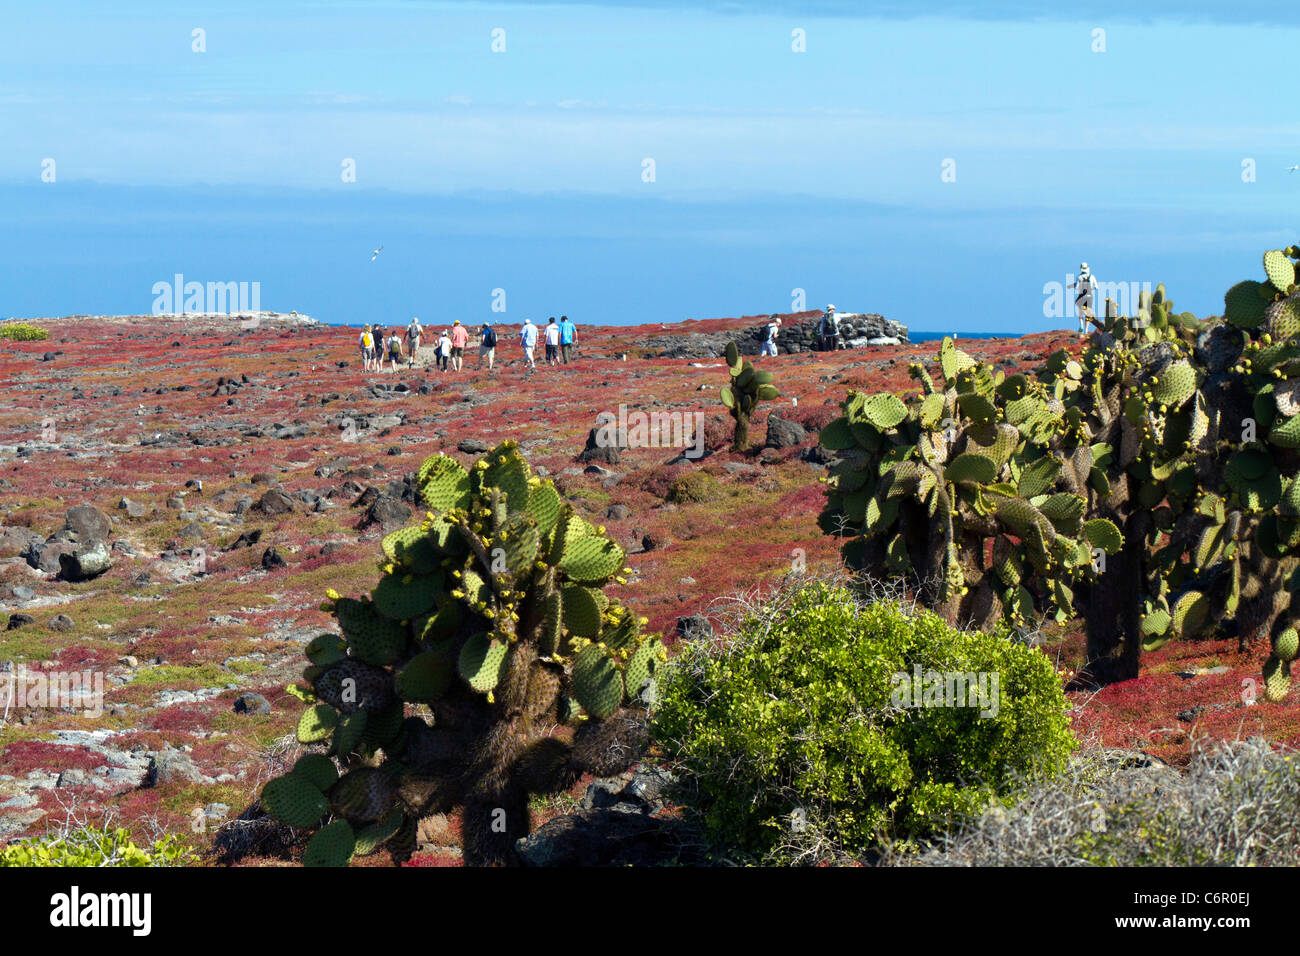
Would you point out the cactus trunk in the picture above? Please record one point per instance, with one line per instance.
(740, 436)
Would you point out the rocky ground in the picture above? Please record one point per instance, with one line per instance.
(176, 494)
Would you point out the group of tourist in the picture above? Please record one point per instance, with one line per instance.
(559, 339)
(828, 332)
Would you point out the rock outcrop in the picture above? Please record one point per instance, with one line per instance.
(798, 334)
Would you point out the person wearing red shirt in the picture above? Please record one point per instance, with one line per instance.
(459, 339)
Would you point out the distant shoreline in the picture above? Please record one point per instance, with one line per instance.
(282, 319)
(936, 336)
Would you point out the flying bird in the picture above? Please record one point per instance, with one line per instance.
(1292, 169)
(376, 253)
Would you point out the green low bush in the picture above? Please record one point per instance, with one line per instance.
(694, 486)
(91, 846)
(791, 743)
(22, 332)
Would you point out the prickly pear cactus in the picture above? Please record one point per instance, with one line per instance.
(747, 388)
(1152, 484)
(491, 617)
(967, 491)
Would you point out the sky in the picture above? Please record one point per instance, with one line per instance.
(942, 164)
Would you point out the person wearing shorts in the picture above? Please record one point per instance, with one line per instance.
(487, 346)
(413, 333)
(459, 339)
(552, 342)
(367, 345)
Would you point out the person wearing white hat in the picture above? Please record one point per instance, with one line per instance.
(528, 340)
(1084, 288)
(829, 329)
(769, 340)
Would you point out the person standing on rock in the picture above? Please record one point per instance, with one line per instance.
(552, 342)
(377, 336)
(769, 338)
(528, 341)
(444, 350)
(487, 346)
(413, 333)
(568, 332)
(830, 330)
(459, 339)
(1084, 288)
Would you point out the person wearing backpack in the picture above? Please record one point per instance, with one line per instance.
(528, 340)
(394, 349)
(829, 329)
(367, 343)
(413, 333)
(487, 346)
(769, 340)
(1085, 286)
(568, 332)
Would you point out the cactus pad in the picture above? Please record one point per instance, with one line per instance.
(370, 838)
(333, 845)
(972, 467)
(482, 661)
(325, 649)
(581, 611)
(884, 411)
(597, 684)
(317, 723)
(1287, 645)
(425, 677)
(1277, 679)
(374, 638)
(318, 769)
(294, 800)
(406, 597)
(443, 484)
(592, 560)
(1243, 304)
(1280, 270)
(363, 795)
(1175, 384)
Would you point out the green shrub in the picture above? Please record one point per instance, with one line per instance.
(694, 486)
(90, 846)
(790, 734)
(22, 332)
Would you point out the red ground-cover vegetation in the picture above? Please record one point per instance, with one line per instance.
(135, 418)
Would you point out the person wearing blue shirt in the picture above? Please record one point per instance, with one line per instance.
(487, 346)
(567, 333)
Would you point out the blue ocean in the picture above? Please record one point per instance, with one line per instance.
(936, 336)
